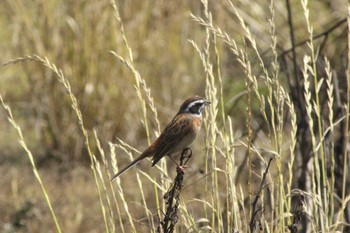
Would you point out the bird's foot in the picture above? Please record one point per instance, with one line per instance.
(181, 168)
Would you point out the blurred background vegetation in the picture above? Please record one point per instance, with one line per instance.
(78, 36)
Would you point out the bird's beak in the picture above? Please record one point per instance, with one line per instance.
(207, 102)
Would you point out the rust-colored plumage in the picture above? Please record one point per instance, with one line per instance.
(177, 135)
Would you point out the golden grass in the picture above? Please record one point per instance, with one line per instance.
(109, 75)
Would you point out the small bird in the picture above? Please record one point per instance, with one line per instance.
(177, 135)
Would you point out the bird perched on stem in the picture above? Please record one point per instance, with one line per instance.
(177, 135)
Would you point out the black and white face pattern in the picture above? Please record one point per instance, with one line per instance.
(193, 105)
(196, 106)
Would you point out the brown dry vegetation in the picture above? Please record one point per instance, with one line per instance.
(128, 67)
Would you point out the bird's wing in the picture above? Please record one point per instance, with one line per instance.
(170, 137)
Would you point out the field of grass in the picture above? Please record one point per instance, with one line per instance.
(85, 86)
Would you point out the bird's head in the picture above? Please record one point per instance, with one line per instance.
(194, 105)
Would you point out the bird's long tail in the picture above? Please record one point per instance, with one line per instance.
(133, 163)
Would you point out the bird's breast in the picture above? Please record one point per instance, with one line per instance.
(196, 123)
(190, 126)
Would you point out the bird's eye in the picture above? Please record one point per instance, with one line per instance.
(197, 108)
